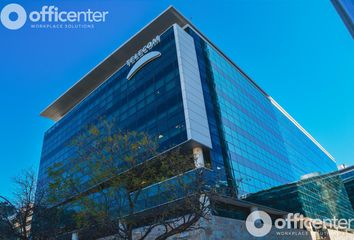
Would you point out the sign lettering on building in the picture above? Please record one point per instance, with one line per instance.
(143, 50)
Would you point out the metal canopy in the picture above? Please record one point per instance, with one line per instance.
(111, 64)
(117, 59)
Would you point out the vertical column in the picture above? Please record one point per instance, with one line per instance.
(198, 157)
(197, 126)
(75, 236)
(256, 215)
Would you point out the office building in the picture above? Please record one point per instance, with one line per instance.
(170, 81)
(347, 175)
(345, 9)
(314, 196)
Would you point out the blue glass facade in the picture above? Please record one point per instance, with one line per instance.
(258, 146)
(150, 102)
(317, 197)
(347, 176)
(254, 145)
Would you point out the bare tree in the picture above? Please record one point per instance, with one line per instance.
(112, 177)
(27, 215)
(19, 211)
(7, 211)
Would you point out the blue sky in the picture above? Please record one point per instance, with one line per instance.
(298, 51)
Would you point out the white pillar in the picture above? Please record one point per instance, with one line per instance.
(75, 236)
(198, 157)
(256, 216)
(254, 209)
(204, 201)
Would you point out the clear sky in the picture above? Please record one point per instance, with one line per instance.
(299, 52)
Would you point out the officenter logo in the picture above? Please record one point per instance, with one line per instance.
(260, 224)
(13, 16)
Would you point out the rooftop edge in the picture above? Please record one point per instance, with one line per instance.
(106, 68)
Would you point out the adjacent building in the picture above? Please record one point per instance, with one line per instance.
(170, 81)
(314, 196)
(347, 175)
(345, 9)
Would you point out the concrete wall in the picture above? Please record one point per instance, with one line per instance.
(230, 229)
(220, 228)
(337, 235)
